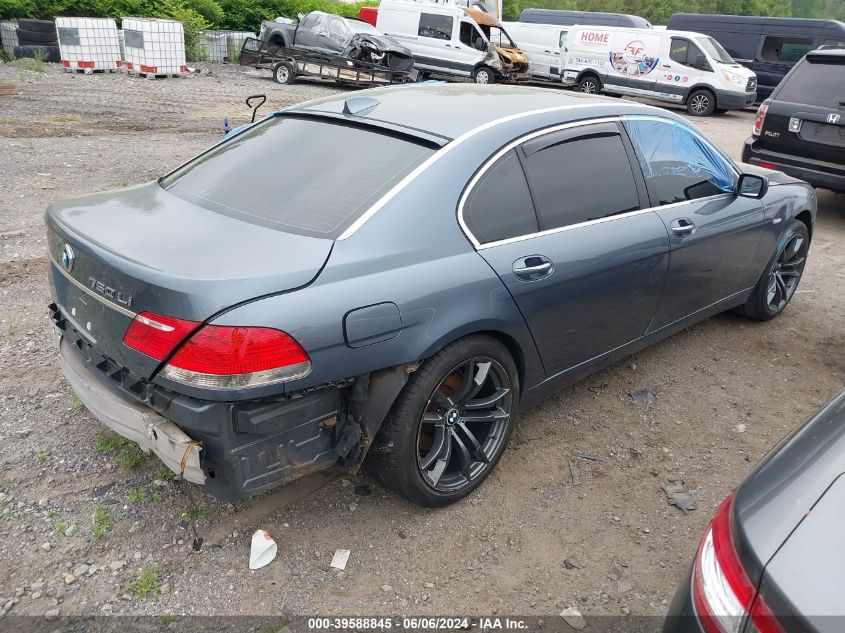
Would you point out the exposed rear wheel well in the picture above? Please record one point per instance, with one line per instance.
(277, 40)
(807, 219)
(513, 348)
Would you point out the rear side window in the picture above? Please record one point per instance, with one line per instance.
(814, 83)
(435, 26)
(677, 164)
(580, 179)
(785, 49)
(301, 176)
(499, 206)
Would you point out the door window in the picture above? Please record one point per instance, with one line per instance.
(686, 53)
(438, 27)
(785, 49)
(677, 163)
(576, 179)
(469, 35)
(562, 40)
(499, 207)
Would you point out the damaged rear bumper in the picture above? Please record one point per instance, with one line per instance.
(131, 419)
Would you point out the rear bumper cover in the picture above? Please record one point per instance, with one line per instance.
(130, 419)
(817, 173)
(681, 617)
(241, 447)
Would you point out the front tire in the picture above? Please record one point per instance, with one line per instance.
(778, 283)
(701, 103)
(484, 75)
(450, 424)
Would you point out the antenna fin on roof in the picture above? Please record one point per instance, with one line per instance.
(357, 105)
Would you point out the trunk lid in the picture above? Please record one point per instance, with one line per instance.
(164, 255)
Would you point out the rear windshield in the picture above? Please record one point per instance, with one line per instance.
(297, 175)
(815, 83)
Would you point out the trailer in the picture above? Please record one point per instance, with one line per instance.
(289, 63)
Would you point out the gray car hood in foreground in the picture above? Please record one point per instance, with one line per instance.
(786, 486)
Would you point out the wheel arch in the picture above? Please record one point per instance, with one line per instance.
(589, 72)
(278, 38)
(807, 218)
(706, 87)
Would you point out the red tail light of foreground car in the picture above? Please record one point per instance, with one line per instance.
(218, 356)
(723, 594)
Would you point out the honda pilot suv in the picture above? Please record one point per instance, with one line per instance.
(800, 129)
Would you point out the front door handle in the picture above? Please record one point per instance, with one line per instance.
(665, 66)
(532, 268)
(682, 227)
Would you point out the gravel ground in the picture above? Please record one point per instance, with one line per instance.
(726, 390)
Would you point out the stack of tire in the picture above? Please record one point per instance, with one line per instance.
(38, 39)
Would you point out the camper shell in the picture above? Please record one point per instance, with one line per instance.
(768, 46)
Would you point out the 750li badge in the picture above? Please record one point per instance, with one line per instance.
(107, 291)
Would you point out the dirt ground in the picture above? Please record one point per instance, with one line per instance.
(726, 391)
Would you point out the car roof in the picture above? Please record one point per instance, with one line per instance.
(450, 110)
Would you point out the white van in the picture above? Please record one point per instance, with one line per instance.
(543, 43)
(678, 66)
(452, 40)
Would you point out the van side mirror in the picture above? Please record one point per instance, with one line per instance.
(752, 186)
(479, 44)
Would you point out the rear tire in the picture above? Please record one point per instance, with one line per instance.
(445, 433)
(484, 75)
(589, 84)
(780, 279)
(37, 38)
(701, 103)
(283, 73)
(40, 26)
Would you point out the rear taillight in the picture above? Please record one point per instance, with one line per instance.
(225, 357)
(156, 335)
(760, 119)
(218, 356)
(723, 594)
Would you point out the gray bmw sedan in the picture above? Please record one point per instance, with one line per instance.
(384, 278)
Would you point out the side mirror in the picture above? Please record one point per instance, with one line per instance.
(752, 186)
(479, 44)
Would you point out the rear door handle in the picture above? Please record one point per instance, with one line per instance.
(682, 227)
(532, 268)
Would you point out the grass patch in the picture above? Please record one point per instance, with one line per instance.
(137, 495)
(147, 583)
(129, 454)
(197, 512)
(41, 456)
(13, 329)
(169, 618)
(51, 513)
(31, 64)
(75, 403)
(62, 527)
(100, 522)
(163, 472)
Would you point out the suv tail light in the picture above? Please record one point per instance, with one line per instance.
(760, 119)
(723, 594)
(218, 356)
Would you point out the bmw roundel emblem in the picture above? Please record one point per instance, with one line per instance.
(67, 257)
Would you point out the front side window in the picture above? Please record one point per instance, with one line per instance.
(470, 36)
(438, 27)
(677, 163)
(686, 53)
(497, 36)
(499, 206)
(579, 178)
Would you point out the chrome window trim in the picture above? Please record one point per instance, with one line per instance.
(91, 293)
(527, 137)
(408, 179)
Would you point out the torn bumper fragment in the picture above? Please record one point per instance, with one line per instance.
(131, 419)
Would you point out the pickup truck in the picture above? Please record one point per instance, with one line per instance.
(335, 35)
